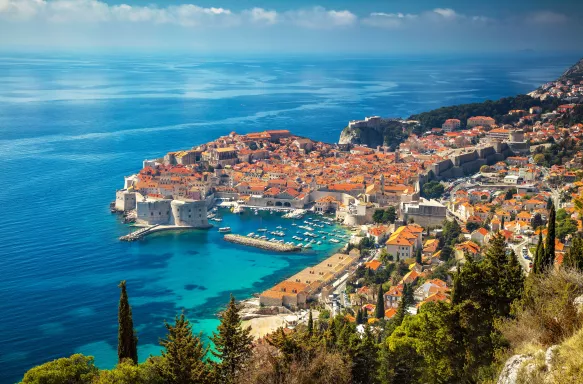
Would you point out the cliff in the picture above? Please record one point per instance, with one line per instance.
(574, 73)
(389, 132)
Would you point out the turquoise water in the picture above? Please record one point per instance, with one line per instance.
(71, 126)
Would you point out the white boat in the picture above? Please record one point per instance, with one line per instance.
(262, 230)
(308, 245)
(334, 241)
(251, 234)
(300, 245)
(225, 229)
(319, 242)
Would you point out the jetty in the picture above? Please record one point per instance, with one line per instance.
(263, 244)
(136, 235)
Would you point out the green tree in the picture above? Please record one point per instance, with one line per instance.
(537, 221)
(510, 194)
(377, 216)
(419, 256)
(539, 159)
(539, 254)
(574, 256)
(359, 316)
(129, 373)
(363, 353)
(549, 259)
(472, 226)
(432, 190)
(233, 344)
(446, 253)
(127, 340)
(77, 369)
(380, 307)
(389, 215)
(183, 355)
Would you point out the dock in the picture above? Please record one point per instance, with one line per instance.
(136, 235)
(263, 244)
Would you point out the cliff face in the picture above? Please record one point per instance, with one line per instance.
(574, 73)
(390, 133)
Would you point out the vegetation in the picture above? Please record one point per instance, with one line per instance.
(390, 133)
(496, 109)
(385, 216)
(127, 340)
(432, 190)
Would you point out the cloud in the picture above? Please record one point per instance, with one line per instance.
(319, 17)
(437, 16)
(447, 13)
(185, 15)
(546, 17)
(387, 20)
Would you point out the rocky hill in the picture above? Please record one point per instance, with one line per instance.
(389, 132)
(574, 73)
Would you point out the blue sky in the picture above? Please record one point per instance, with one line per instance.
(321, 26)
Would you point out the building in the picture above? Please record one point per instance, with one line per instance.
(404, 241)
(498, 134)
(427, 213)
(183, 213)
(451, 125)
(125, 200)
(223, 156)
(480, 120)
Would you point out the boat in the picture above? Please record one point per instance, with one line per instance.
(300, 245)
(251, 234)
(225, 229)
(237, 209)
(308, 245)
(262, 230)
(334, 241)
(319, 242)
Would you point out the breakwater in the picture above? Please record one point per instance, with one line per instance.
(263, 244)
(136, 235)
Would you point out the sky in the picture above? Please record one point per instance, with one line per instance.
(311, 26)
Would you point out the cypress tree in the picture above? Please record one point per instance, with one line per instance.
(418, 256)
(310, 324)
(233, 344)
(502, 223)
(127, 340)
(359, 317)
(183, 354)
(549, 258)
(539, 253)
(380, 308)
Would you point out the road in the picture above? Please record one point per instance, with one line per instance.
(518, 252)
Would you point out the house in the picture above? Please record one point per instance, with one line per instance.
(480, 236)
(379, 233)
(389, 313)
(373, 264)
(393, 296)
(287, 293)
(467, 247)
(404, 241)
(430, 247)
(429, 288)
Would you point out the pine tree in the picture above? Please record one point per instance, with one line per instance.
(539, 254)
(310, 324)
(409, 294)
(549, 259)
(127, 340)
(183, 354)
(233, 344)
(380, 308)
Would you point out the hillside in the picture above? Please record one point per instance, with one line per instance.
(575, 73)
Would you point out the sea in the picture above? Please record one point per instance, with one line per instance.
(72, 125)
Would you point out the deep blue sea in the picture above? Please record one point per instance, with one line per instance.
(71, 126)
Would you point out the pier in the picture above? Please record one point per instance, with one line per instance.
(136, 235)
(263, 244)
